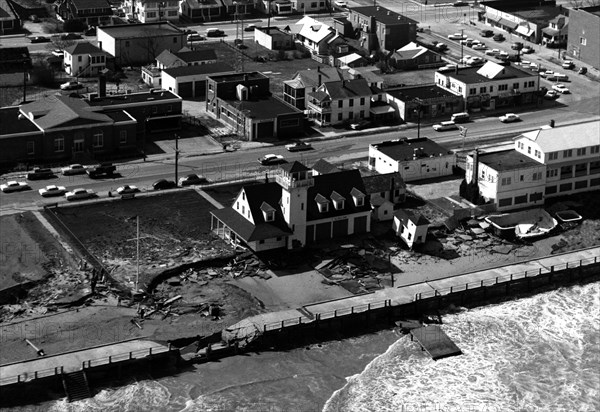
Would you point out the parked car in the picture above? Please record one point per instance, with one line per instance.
(162, 184)
(466, 41)
(582, 70)
(462, 117)
(479, 46)
(192, 179)
(475, 61)
(457, 36)
(449, 125)
(298, 147)
(486, 33)
(517, 45)
(271, 159)
(40, 173)
(52, 190)
(214, 32)
(250, 27)
(499, 37)
(492, 52)
(103, 169)
(14, 186)
(447, 68)
(127, 189)
(509, 118)
(557, 77)
(39, 39)
(551, 95)
(527, 50)
(361, 124)
(460, 4)
(340, 3)
(195, 37)
(74, 169)
(441, 47)
(465, 59)
(79, 194)
(58, 53)
(560, 88)
(71, 36)
(71, 86)
(568, 64)
(546, 73)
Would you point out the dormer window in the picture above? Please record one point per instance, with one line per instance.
(268, 212)
(358, 197)
(338, 200)
(322, 203)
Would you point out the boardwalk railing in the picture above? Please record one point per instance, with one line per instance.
(58, 370)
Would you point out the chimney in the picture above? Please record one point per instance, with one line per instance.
(101, 85)
(245, 78)
(319, 81)
(266, 177)
(475, 167)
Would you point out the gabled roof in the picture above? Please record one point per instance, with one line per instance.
(199, 69)
(323, 166)
(383, 183)
(294, 167)
(314, 30)
(62, 111)
(350, 58)
(91, 4)
(13, 122)
(553, 139)
(342, 183)
(405, 215)
(310, 78)
(83, 48)
(6, 11)
(410, 51)
(350, 88)
(257, 195)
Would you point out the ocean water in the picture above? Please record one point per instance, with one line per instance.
(540, 353)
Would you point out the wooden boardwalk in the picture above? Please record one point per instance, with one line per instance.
(435, 342)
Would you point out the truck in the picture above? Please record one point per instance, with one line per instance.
(103, 169)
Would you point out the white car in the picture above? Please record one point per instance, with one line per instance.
(78, 194)
(568, 64)
(74, 169)
(474, 61)
(465, 59)
(127, 189)
(546, 74)
(457, 36)
(558, 77)
(52, 190)
(449, 125)
(272, 159)
(467, 41)
(480, 46)
(58, 53)
(71, 86)
(14, 186)
(561, 88)
(340, 3)
(509, 118)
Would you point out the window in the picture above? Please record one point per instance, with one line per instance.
(551, 172)
(270, 216)
(362, 114)
(550, 190)
(79, 58)
(534, 197)
(594, 149)
(502, 87)
(515, 86)
(491, 89)
(594, 168)
(340, 104)
(552, 155)
(566, 172)
(505, 202)
(351, 102)
(482, 89)
(59, 144)
(126, 43)
(362, 101)
(473, 91)
(340, 116)
(583, 41)
(581, 151)
(537, 176)
(174, 39)
(537, 153)
(98, 139)
(581, 184)
(351, 115)
(567, 153)
(522, 178)
(123, 136)
(580, 169)
(30, 148)
(506, 181)
(531, 84)
(520, 199)
(528, 149)
(565, 187)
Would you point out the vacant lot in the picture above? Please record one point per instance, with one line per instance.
(174, 229)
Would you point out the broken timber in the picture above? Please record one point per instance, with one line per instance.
(435, 342)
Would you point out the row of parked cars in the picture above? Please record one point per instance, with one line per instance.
(464, 117)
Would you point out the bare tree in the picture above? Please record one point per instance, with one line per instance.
(56, 42)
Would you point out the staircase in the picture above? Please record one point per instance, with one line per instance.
(76, 386)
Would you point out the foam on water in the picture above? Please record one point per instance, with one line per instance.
(535, 354)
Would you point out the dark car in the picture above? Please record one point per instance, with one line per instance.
(39, 39)
(90, 32)
(191, 180)
(582, 70)
(251, 27)
(103, 169)
(516, 45)
(71, 36)
(162, 184)
(486, 33)
(499, 37)
(40, 173)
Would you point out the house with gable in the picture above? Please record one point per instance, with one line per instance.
(84, 60)
(306, 81)
(412, 56)
(314, 36)
(91, 12)
(339, 101)
(9, 19)
(411, 227)
(201, 10)
(296, 210)
(151, 74)
(385, 191)
(557, 31)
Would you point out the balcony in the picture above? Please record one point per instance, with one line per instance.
(289, 183)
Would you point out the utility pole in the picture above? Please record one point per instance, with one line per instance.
(462, 35)
(137, 274)
(176, 156)
(24, 78)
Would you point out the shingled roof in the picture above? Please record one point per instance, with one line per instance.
(55, 111)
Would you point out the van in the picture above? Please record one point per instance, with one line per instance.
(460, 117)
(214, 32)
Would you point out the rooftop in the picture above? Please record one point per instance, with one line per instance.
(533, 11)
(265, 108)
(404, 149)
(383, 182)
(322, 166)
(129, 31)
(83, 48)
(314, 30)
(63, 111)
(6, 11)
(382, 15)
(119, 116)
(238, 77)
(115, 100)
(420, 92)
(91, 4)
(471, 75)
(552, 139)
(200, 69)
(592, 10)
(350, 88)
(12, 123)
(506, 160)
(405, 215)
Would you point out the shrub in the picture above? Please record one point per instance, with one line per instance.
(74, 26)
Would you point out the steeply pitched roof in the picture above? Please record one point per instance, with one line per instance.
(91, 4)
(314, 30)
(342, 183)
(405, 215)
(294, 166)
(61, 111)
(256, 195)
(409, 51)
(310, 78)
(83, 48)
(322, 166)
(553, 139)
(12, 122)
(199, 69)
(346, 89)
(383, 183)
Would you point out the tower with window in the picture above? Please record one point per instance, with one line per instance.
(295, 180)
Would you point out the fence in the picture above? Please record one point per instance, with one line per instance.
(108, 360)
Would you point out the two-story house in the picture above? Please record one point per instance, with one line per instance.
(149, 11)
(9, 19)
(306, 81)
(412, 56)
(151, 74)
(84, 60)
(381, 29)
(557, 31)
(196, 11)
(314, 36)
(411, 227)
(90, 12)
(491, 86)
(296, 210)
(340, 101)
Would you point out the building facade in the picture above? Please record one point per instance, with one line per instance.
(189, 82)
(90, 12)
(583, 41)
(416, 103)
(84, 60)
(410, 227)
(152, 73)
(273, 38)
(201, 10)
(9, 19)
(414, 159)
(382, 29)
(150, 11)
